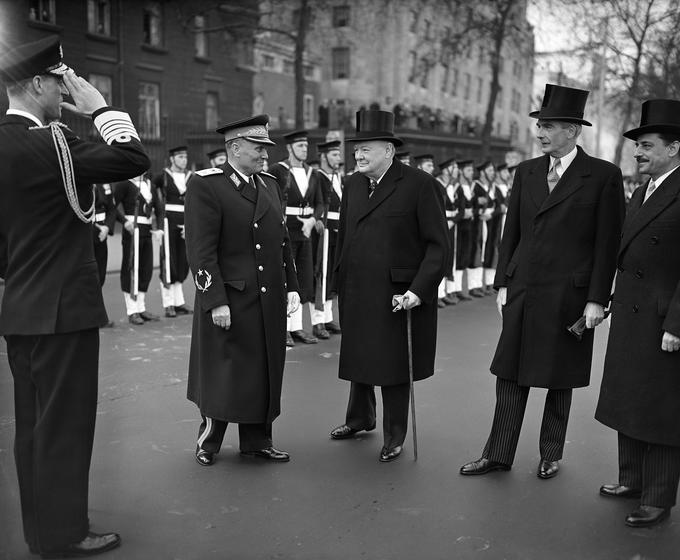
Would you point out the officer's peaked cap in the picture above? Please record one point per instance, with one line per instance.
(254, 129)
(31, 59)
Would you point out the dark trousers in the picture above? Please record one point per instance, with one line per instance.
(252, 437)
(179, 265)
(511, 402)
(361, 411)
(652, 468)
(302, 255)
(55, 402)
(145, 259)
(101, 255)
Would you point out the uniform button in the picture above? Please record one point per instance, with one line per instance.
(655, 240)
(636, 308)
(257, 246)
(638, 274)
(285, 284)
(260, 268)
(255, 225)
(263, 289)
(284, 265)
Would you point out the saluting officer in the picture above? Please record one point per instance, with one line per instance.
(304, 206)
(52, 305)
(240, 257)
(171, 186)
(331, 185)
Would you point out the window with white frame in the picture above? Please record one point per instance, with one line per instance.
(99, 17)
(308, 109)
(104, 84)
(149, 122)
(152, 24)
(200, 38)
(212, 110)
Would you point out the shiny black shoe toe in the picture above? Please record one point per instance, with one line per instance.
(135, 319)
(387, 455)
(91, 545)
(204, 458)
(547, 469)
(183, 310)
(320, 332)
(333, 328)
(647, 516)
(345, 432)
(619, 491)
(270, 454)
(147, 316)
(482, 466)
(304, 337)
(170, 311)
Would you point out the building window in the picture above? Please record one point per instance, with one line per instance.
(308, 109)
(445, 78)
(514, 132)
(149, 121)
(42, 10)
(288, 66)
(414, 67)
(466, 86)
(99, 17)
(212, 110)
(424, 73)
(340, 16)
(428, 29)
(499, 97)
(340, 63)
(152, 24)
(481, 55)
(200, 38)
(454, 83)
(480, 89)
(309, 71)
(267, 62)
(104, 84)
(414, 21)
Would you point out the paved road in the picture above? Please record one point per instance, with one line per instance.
(334, 500)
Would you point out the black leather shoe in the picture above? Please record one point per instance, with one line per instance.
(647, 516)
(450, 299)
(289, 340)
(302, 336)
(333, 328)
(149, 316)
(170, 311)
(270, 454)
(93, 544)
(204, 458)
(183, 309)
(441, 303)
(476, 292)
(345, 432)
(387, 455)
(462, 297)
(135, 319)
(319, 331)
(483, 466)
(619, 491)
(547, 469)
(109, 325)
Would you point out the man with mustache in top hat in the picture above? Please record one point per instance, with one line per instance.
(52, 305)
(393, 241)
(640, 392)
(556, 265)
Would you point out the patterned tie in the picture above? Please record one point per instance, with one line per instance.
(650, 189)
(371, 188)
(553, 177)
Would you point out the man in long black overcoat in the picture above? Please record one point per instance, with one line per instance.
(556, 264)
(640, 393)
(239, 254)
(393, 240)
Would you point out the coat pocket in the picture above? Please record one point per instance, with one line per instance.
(239, 285)
(400, 275)
(581, 279)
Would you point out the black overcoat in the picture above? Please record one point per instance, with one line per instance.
(558, 252)
(394, 242)
(640, 392)
(237, 244)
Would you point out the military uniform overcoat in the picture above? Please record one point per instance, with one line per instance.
(640, 393)
(393, 242)
(239, 254)
(558, 252)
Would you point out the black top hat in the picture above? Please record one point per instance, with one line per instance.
(214, 153)
(375, 125)
(658, 115)
(295, 136)
(562, 103)
(254, 129)
(30, 59)
(326, 147)
(177, 150)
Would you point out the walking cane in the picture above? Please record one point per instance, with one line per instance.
(409, 336)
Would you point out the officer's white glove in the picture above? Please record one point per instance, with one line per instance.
(670, 342)
(293, 303)
(408, 301)
(307, 225)
(221, 317)
(103, 232)
(501, 298)
(129, 226)
(85, 96)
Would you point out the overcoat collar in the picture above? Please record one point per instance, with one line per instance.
(260, 197)
(386, 187)
(647, 211)
(569, 183)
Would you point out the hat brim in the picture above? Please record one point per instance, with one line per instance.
(256, 140)
(59, 70)
(575, 120)
(663, 128)
(393, 139)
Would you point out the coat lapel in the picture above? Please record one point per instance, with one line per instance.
(538, 181)
(385, 188)
(570, 182)
(657, 203)
(239, 184)
(264, 199)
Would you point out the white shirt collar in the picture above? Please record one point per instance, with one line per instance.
(565, 161)
(245, 177)
(663, 177)
(25, 114)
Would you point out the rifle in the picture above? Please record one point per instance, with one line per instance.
(165, 244)
(134, 253)
(321, 272)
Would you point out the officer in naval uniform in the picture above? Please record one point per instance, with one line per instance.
(304, 206)
(52, 305)
(171, 186)
(240, 257)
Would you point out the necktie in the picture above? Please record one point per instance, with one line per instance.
(650, 189)
(553, 177)
(371, 188)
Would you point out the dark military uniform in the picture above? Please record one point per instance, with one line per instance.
(105, 215)
(498, 206)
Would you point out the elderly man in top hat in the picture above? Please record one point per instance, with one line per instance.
(239, 253)
(393, 240)
(52, 305)
(640, 392)
(556, 264)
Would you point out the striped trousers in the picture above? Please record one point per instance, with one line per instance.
(511, 402)
(252, 437)
(653, 468)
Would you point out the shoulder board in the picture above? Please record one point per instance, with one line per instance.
(267, 174)
(209, 171)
